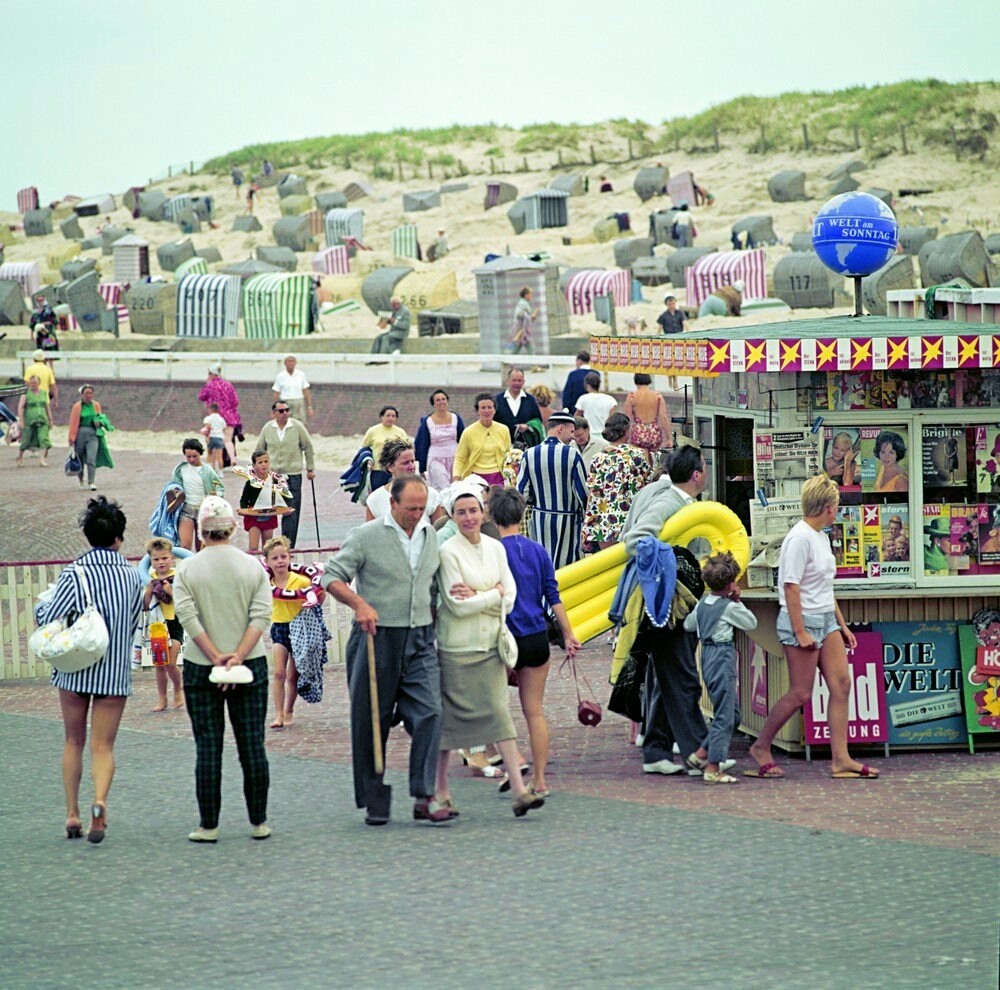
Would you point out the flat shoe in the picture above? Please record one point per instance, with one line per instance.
(865, 773)
(696, 765)
(526, 802)
(718, 777)
(542, 794)
(204, 835)
(261, 831)
(766, 771)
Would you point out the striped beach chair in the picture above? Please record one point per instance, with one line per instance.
(278, 305)
(26, 273)
(208, 306)
(724, 268)
(583, 287)
(113, 294)
(404, 241)
(27, 199)
(332, 261)
(342, 223)
(193, 266)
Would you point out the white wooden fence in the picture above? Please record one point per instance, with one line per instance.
(21, 583)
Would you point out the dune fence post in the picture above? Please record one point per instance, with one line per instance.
(805, 136)
(715, 134)
(763, 138)
(954, 141)
(857, 139)
(902, 134)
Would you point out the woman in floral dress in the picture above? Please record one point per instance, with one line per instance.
(616, 475)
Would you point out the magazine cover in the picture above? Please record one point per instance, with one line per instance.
(845, 541)
(937, 539)
(945, 457)
(989, 535)
(987, 459)
(841, 456)
(885, 461)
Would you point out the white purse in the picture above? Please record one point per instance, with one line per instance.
(72, 648)
(506, 644)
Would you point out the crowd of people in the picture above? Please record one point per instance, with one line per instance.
(451, 580)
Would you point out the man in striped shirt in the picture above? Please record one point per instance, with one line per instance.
(553, 479)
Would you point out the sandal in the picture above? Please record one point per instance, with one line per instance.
(74, 830)
(98, 823)
(718, 777)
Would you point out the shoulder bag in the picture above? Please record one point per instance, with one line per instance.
(506, 644)
(73, 647)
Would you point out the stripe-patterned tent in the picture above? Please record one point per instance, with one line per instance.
(583, 286)
(25, 273)
(193, 266)
(332, 261)
(724, 268)
(343, 223)
(131, 258)
(208, 306)
(27, 199)
(278, 305)
(404, 241)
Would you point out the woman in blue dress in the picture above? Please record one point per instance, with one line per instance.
(102, 688)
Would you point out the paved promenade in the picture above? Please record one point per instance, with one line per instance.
(621, 880)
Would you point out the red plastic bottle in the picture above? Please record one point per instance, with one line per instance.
(159, 644)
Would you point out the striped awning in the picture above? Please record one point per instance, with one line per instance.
(866, 343)
(723, 268)
(584, 286)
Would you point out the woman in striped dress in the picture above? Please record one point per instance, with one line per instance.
(101, 689)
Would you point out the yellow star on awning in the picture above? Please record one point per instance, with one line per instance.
(755, 353)
(967, 347)
(862, 351)
(897, 351)
(996, 352)
(719, 355)
(827, 353)
(789, 353)
(932, 349)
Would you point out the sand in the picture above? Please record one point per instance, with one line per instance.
(965, 195)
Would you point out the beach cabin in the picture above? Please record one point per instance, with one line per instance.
(960, 255)
(278, 305)
(38, 223)
(281, 257)
(572, 184)
(498, 287)
(71, 229)
(405, 243)
(787, 186)
(661, 227)
(650, 181)
(208, 306)
(87, 305)
(753, 231)
(130, 198)
(330, 200)
(498, 193)
(294, 233)
(723, 268)
(378, 288)
(332, 261)
(170, 255)
(13, 312)
(358, 190)
(429, 289)
(341, 223)
(193, 266)
(25, 273)
(414, 202)
(27, 199)
(539, 210)
(804, 282)
(583, 287)
(95, 206)
(896, 274)
(152, 308)
(131, 258)
(152, 205)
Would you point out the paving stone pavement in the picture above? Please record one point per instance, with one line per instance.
(623, 878)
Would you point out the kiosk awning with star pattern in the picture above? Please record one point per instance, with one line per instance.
(867, 343)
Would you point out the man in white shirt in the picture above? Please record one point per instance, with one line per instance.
(594, 405)
(292, 386)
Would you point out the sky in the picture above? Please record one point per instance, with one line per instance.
(108, 93)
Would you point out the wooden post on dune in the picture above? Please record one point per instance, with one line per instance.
(763, 138)
(805, 136)
(715, 134)
(857, 139)
(902, 134)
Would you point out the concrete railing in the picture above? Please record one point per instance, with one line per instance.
(22, 582)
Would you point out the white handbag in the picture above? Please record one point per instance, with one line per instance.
(506, 644)
(72, 648)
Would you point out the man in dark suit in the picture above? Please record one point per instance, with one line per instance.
(574, 386)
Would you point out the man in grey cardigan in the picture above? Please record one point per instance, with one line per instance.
(287, 441)
(673, 688)
(394, 561)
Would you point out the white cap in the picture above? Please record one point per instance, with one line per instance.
(215, 513)
(738, 285)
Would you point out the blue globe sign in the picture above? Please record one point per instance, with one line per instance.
(855, 234)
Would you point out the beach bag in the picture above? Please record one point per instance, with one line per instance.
(73, 465)
(506, 644)
(72, 647)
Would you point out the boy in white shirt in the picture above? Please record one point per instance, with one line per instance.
(594, 405)
(214, 428)
(714, 618)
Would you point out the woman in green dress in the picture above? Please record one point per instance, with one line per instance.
(34, 416)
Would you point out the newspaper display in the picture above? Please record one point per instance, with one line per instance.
(784, 455)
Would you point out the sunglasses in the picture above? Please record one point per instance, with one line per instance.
(286, 409)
